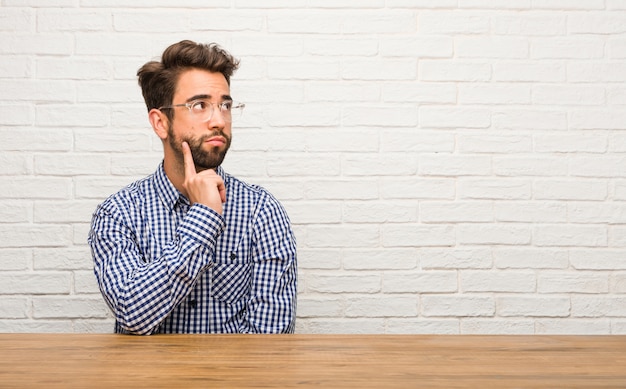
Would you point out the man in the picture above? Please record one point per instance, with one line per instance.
(191, 249)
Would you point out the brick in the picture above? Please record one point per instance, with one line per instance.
(568, 5)
(405, 140)
(570, 235)
(318, 69)
(85, 283)
(379, 212)
(16, 211)
(35, 283)
(572, 327)
(72, 115)
(379, 259)
(491, 47)
(451, 71)
(31, 187)
(354, 236)
(381, 306)
(524, 119)
(593, 119)
(299, 115)
(494, 94)
(36, 44)
(600, 166)
(440, 22)
(571, 143)
(303, 23)
(424, 188)
(42, 235)
(495, 189)
(430, 47)
(321, 258)
(271, 46)
(458, 117)
(388, 22)
(63, 211)
(597, 22)
(333, 283)
(15, 259)
(457, 306)
(578, 282)
(519, 166)
(589, 213)
(14, 308)
(71, 164)
(530, 258)
(422, 92)
(112, 141)
(341, 189)
(597, 259)
(568, 95)
(343, 326)
(494, 144)
(347, 46)
(617, 282)
(567, 47)
(70, 20)
(314, 211)
(497, 327)
(527, 24)
(320, 307)
(56, 258)
(422, 282)
(529, 71)
(455, 258)
(497, 282)
(448, 212)
(35, 326)
(391, 164)
(495, 4)
(406, 235)
(596, 72)
(454, 165)
(557, 189)
(224, 20)
(493, 234)
(531, 212)
(533, 306)
(41, 139)
(598, 306)
(47, 307)
(379, 69)
(422, 326)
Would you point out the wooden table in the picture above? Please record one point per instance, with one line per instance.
(327, 361)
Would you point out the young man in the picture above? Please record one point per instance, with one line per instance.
(191, 249)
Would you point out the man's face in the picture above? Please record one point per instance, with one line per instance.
(209, 140)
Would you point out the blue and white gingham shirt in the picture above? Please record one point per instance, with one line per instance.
(164, 266)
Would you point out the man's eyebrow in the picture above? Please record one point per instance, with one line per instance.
(207, 97)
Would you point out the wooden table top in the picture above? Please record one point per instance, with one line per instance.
(328, 361)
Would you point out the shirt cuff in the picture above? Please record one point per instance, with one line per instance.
(202, 224)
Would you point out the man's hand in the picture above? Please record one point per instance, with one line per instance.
(206, 187)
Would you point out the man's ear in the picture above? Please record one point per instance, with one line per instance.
(159, 123)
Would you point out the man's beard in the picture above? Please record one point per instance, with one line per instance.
(202, 159)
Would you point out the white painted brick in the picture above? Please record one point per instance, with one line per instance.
(422, 282)
(597, 22)
(16, 115)
(495, 4)
(333, 283)
(391, 164)
(530, 71)
(543, 306)
(36, 140)
(16, 67)
(311, 212)
(565, 4)
(617, 236)
(422, 326)
(379, 259)
(379, 212)
(342, 236)
(568, 95)
(617, 282)
(443, 117)
(299, 115)
(341, 326)
(421, 4)
(12, 163)
(342, 91)
(586, 212)
(424, 188)
(578, 47)
(571, 143)
(43, 235)
(538, 166)
(557, 189)
(17, 19)
(42, 91)
(71, 164)
(267, 45)
(537, 212)
(15, 259)
(428, 47)
(600, 166)
(422, 92)
(120, 141)
(69, 307)
(527, 24)
(617, 142)
(218, 20)
(497, 327)
(524, 119)
(480, 93)
(617, 48)
(490, 281)
(593, 306)
(530, 258)
(440, 22)
(36, 44)
(348, 46)
(572, 327)
(64, 19)
(55, 258)
(379, 69)
(596, 72)
(318, 258)
(498, 188)
(31, 187)
(63, 211)
(389, 22)
(380, 116)
(448, 212)
(457, 306)
(320, 307)
(494, 144)
(455, 258)
(570, 235)
(616, 4)
(341, 189)
(85, 283)
(382, 306)
(349, 4)
(95, 326)
(310, 22)
(407, 235)
(491, 47)
(134, 165)
(447, 70)
(597, 259)
(352, 140)
(314, 69)
(72, 115)
(35, 326)
(493, 234)
(404, 140)
(14, 308)
(35, 283)
(579, 282)
(454, 165)
(597, 119)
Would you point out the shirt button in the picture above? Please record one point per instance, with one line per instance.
(193, 303)
(233, 256)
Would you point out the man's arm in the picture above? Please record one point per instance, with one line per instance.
(273, 298)
(140, 291)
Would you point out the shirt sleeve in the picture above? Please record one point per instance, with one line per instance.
(272, 305)
(140, 292)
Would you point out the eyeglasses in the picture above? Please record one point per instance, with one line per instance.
(202, 110)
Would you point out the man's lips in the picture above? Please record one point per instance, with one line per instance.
(216, 141)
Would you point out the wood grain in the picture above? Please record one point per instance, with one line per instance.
(328, 361)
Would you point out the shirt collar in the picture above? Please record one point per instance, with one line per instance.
(167, 191)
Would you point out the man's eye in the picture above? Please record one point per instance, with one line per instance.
(199, 106)
(226, 105)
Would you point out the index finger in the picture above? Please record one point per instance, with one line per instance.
(190, 167)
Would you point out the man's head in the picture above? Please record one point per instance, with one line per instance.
(187, 95)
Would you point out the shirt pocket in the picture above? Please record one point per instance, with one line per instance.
(231, 279)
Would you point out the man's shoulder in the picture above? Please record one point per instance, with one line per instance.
(133, 193)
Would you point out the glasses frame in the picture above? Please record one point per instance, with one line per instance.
(235, 105)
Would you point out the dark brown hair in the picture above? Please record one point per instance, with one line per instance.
(158, 79)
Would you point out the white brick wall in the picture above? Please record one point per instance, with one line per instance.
(450, 166)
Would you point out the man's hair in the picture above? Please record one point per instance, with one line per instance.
(158, 79)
